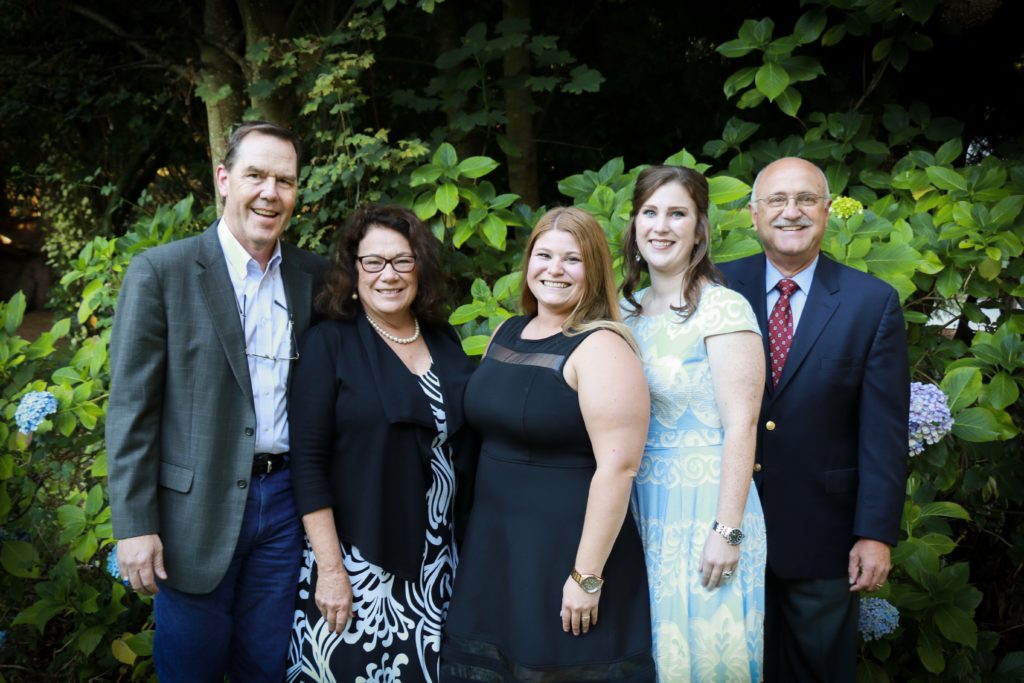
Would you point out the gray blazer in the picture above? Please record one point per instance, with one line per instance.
(181, 419)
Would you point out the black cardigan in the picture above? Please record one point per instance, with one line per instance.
(361, 434)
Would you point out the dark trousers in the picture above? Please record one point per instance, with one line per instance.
(810, 630)
(242, 628)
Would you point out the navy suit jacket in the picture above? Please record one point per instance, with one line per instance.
(832, 436)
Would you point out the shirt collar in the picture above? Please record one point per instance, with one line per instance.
(238, 259)
(803, 279)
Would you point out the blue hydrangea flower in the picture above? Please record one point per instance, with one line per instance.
(878, 618)
(930, 419)
(113, 569)
(33, 409)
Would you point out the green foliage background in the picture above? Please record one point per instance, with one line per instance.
(941, 223)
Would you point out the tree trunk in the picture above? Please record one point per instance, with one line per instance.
(267, 21)
(219, 69)
(445, 31)
(522, 168)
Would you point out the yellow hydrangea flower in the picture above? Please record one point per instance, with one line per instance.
(844, 207)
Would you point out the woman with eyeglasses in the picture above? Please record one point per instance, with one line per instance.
(700, 518)
(382, 461)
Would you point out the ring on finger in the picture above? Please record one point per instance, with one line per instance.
(727, 574)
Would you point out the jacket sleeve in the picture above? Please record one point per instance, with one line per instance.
(884, 411)
(311, 418)
(138, 361)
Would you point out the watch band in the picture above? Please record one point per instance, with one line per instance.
(732, 535)
(590, 583)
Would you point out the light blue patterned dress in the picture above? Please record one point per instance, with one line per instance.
(699, 635)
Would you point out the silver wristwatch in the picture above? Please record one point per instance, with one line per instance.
(732, 535)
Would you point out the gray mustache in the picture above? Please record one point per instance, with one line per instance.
(803, 222)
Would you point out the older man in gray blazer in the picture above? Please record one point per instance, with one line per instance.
(204, 337)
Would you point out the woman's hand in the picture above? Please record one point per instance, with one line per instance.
(334, 598)
(718, 561)
(579, 608)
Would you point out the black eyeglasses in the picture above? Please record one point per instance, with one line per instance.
(804, 200)
(293, 355)
(372, 263)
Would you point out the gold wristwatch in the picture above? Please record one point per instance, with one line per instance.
(590, 583)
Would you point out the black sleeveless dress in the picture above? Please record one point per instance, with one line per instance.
(532, 484)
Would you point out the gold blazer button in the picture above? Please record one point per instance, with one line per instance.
(769, 425)
(757, 467)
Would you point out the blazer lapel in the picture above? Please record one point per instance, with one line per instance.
(298, 288)
(818, 310)
(219, 296)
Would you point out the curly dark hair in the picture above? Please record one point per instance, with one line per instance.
(700, 270)
(335, 300)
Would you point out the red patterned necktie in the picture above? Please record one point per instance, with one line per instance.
(780, 328)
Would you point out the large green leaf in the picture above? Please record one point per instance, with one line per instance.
(475, 167)
(929, 651)
(810, 25)
(20, 559)
(956, 625)
(39, 613)
(15, 312)
(886, 258)
(445, 156)
(962, 387)
(475, 345)
(946, 179)
(734, 48)
(725, 189)
(949, 152)
(789, 101)
(944, 508)
(494, 231)
(446, 197)
(771, 80)
(583, 79)
(739, 80)
(1001, 391)
(981, 424)
(1006, 211)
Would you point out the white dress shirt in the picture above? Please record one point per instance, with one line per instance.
(269, 337)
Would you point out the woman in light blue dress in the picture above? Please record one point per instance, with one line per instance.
(700, 518)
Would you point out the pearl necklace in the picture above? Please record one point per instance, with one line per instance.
(390, 337)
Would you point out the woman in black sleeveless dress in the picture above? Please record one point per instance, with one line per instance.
(551, 585)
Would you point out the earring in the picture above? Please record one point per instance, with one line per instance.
(355, 296)
(637, 257)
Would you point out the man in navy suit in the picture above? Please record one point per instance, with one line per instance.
(831, 462)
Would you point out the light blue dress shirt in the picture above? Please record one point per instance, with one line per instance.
(269, 338)
(798, 298)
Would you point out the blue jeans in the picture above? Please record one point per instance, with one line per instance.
(242, 628)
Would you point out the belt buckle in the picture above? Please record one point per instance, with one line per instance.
(268, 465)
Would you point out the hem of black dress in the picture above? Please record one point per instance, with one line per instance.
(465, 659)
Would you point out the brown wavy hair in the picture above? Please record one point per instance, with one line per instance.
(335, 300)
(700, 269)
(598, 305)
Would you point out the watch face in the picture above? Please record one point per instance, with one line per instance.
(735, 537)
(591, 584)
